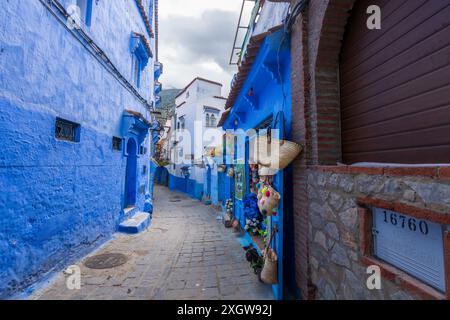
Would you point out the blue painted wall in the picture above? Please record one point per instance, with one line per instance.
(186, 185)
(59, 200)
(269, 82)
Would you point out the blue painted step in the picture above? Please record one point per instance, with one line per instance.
(137, 223)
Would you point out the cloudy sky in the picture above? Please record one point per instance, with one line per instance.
(196, 37)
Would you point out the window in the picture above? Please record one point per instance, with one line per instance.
(66, 130)
(140, 55)
(213, 122)
(187, 94)
(136, 72)
(181, 122)
(117, 144)
(207, 120)
(178, 124)
(85, 11)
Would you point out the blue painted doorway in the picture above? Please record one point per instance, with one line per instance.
(208, 182)
(131, 172)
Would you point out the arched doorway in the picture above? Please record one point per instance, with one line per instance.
(130, 178)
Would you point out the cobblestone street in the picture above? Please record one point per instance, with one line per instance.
(185, 254)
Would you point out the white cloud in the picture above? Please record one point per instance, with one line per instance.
(196, 38)
(195, 8)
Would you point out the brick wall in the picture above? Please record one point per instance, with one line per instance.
(316, 116)
(329, 262)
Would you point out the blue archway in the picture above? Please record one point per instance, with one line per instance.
(131, 173)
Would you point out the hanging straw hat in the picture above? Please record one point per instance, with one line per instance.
(275, 154)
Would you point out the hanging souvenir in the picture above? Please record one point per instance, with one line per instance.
(268, 200)
(269, 273)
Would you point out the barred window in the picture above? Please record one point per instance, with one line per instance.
(117, 143)
(66, 130)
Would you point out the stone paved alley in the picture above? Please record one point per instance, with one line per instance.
(185, 254)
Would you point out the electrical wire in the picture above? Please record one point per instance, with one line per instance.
(292, 16)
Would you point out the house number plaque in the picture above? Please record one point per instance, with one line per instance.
(410, 244)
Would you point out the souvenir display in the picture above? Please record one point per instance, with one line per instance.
(239, 177)
(228, 216)
(254, 178)
(268, 199)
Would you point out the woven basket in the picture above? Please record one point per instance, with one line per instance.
(269, 273)
(277, 154)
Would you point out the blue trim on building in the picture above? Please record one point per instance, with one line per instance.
(266, 95)
(186, 185)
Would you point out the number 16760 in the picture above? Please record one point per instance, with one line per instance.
(406, 222)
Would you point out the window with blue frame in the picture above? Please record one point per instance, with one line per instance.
(85, 11)
(136, 71)
(140, 54)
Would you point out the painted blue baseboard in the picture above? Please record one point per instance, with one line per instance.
(186, 185)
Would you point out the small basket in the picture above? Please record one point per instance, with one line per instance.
(269, 273)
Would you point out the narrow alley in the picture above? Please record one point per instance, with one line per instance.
(185, 254)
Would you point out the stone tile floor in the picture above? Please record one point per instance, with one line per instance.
(185, 254)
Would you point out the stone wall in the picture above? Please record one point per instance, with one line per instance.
(335, 258)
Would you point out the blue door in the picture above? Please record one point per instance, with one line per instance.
(208, 182)
(130, 177)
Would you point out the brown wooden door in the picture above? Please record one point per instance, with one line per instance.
(395, 83)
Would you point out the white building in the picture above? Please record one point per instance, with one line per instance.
(199, 107)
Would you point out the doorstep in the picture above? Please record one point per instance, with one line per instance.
(137, 223)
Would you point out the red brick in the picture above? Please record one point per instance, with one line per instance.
(366, 170)
(412, 171)
(444, 173)
(387, 272)
(365, 231)
(447, 263)
(421, 213)
(368, 201)
(418, 288)
(405, 281)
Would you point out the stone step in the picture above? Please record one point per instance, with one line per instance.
(130, 211)
(137, 223)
